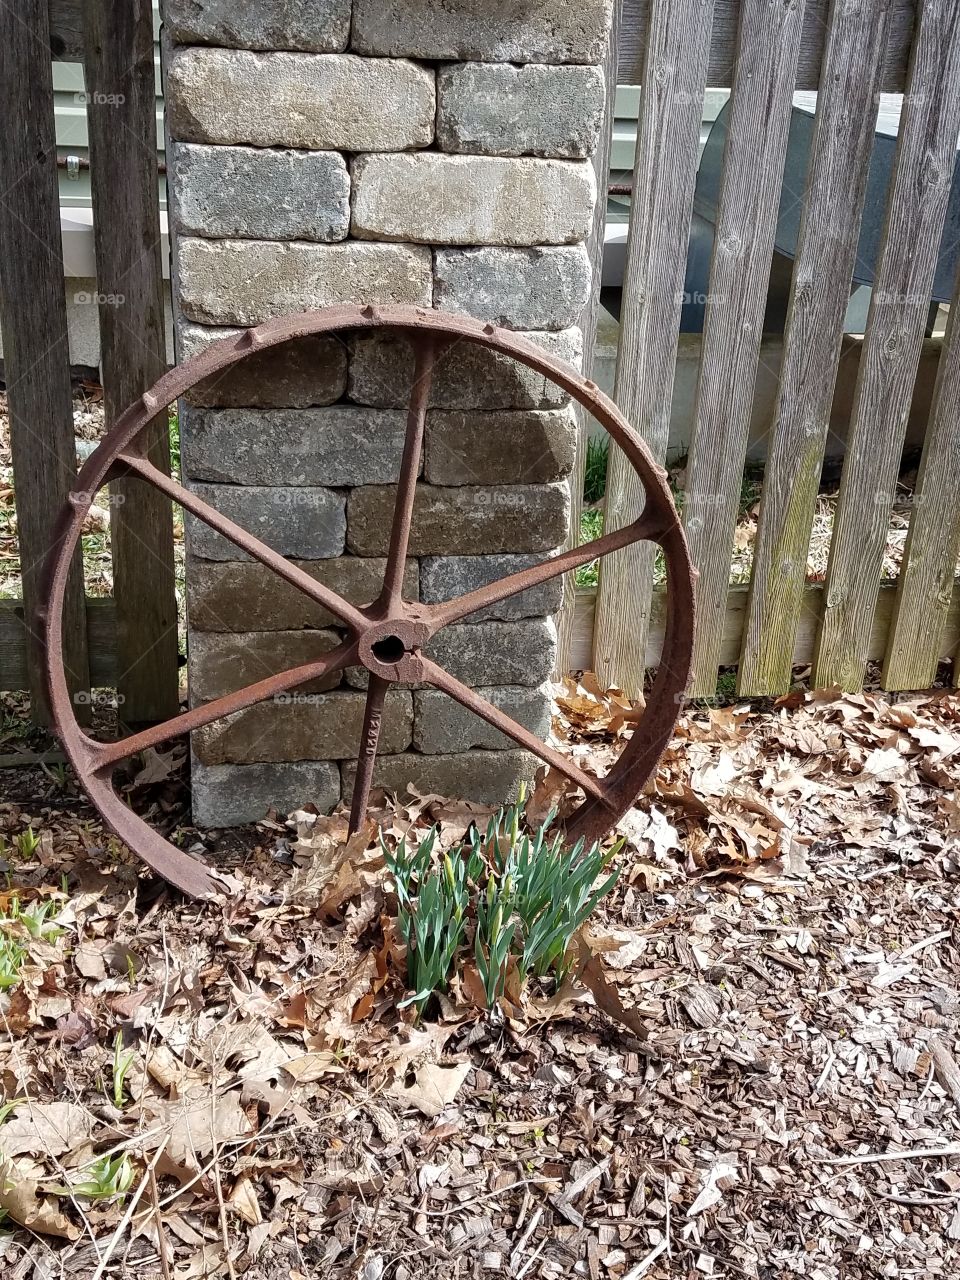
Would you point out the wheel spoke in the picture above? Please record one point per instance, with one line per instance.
(426, 349)
(472, 700)
(240, 537)
(104, 755)
(370, 736)
(646, 528)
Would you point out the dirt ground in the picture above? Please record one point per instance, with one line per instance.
(753, 1075)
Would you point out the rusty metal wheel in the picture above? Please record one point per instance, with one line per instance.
(386, 637)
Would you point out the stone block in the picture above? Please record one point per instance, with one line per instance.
(445, 577)
(466, 377)
(505, 110)
(305, 372)
(485, 777)
(309, 523)
(222, 663)
(511, 31)
(545, 288)
(468, 520)
(487, 653)
(339, 445)
(431, 198)
(321, 102)
(314, 26)
(258, 193)
(442, 726)
(303, 726)
(246, 596)
(497, 653)
(231, 795)
(522, 446)
(243, 282)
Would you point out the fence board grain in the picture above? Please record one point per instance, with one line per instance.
(826, 255)
(925, 586)
(101, 632)
(66, 30)
(735, 619)
(601, 167)
(920, 188)
(34, 322)
(750, 189)
(720, 68)
(119, 73)
(668, 136)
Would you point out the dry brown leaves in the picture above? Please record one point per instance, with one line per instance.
(771, 992)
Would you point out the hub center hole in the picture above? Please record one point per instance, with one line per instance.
(390, 649)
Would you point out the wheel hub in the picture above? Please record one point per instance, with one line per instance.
(391, 649)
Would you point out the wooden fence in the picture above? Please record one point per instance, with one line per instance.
(130, 641)
(763, 50)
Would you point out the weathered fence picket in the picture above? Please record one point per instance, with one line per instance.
(826, 252)
(896, 323)
(34, 321)
(754, 158)
(121, 115)
(131, 640)
(668, 136)
(925, 588)
(567, 621)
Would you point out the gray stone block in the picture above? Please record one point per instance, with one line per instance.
(303, 726)
(307, 371)
(525, 446)
(511, 31)
(339, 445)
(485, 777)
(314, 26)
(497, 653)
(487, 653)
(231, 795)
(321, 102)
(259, 193)
(442, 726)
(310, 523)
(222, 663)
(431, 198)
(466, 377)
(506, 110)
(241, 595)
(468, 520)
(545, 288)
(243, 282)
(446, 577)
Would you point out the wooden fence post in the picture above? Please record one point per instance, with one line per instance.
(836, 184)
(668, 136)
(601, 167)
(896, 324)
(121, 115)
(33, 318)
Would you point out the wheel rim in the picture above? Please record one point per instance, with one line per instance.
(387, 636)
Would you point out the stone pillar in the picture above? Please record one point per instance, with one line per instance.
(432, 152)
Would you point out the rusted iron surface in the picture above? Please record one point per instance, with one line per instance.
(388, 636)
